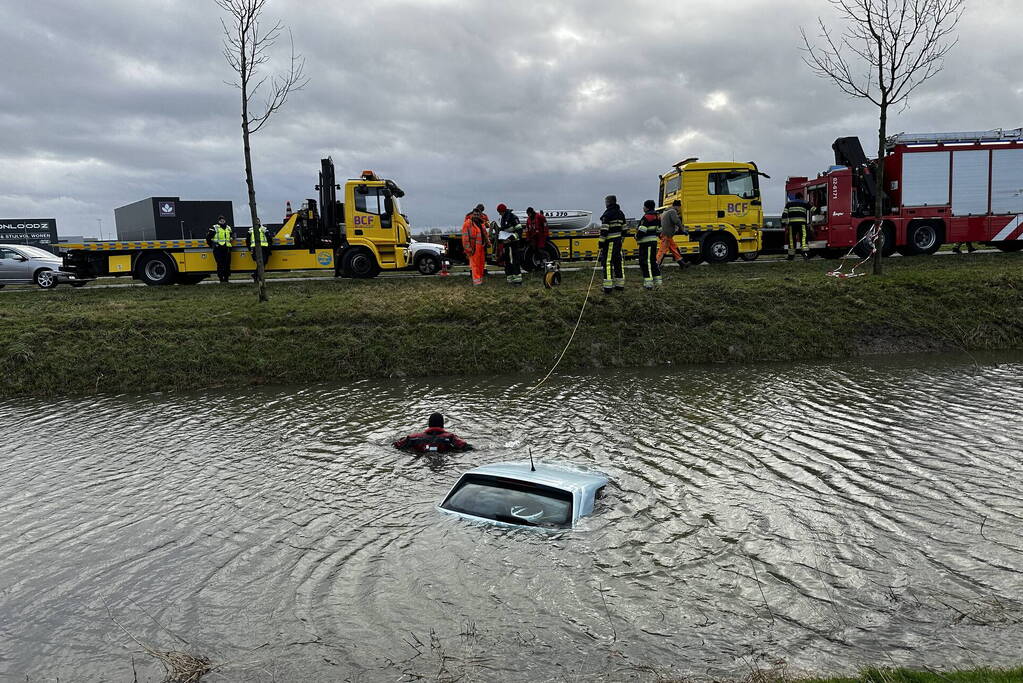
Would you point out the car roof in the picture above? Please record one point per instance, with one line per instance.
(549, 475)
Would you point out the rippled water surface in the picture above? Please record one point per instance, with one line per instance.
(821, 517)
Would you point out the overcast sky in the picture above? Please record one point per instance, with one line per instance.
(550, 104)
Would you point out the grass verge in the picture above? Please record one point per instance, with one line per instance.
(981, 675)
(80, 341)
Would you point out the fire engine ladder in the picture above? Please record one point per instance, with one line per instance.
(996, 135)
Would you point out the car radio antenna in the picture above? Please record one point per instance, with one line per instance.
(532, 467)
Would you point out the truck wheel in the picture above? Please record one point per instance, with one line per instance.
(923, 238)
(533, 259)
(428, 264)
(45, 278)
(719, 247)
(189, 278)
(156, 270)
(361, 264)
(1016, 245)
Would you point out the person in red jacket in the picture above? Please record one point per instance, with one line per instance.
(536, 229)
(435, 439)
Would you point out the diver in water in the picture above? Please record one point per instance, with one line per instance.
(435, 439)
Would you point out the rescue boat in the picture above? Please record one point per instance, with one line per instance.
(561, 219)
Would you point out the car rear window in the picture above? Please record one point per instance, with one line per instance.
(511, 501)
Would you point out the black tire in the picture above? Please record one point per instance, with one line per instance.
(45, 278)
(749, 256)
(719, 247)
(1009, 247)
(189, 278)
(360, 263)
(156, 270)
(923, 238)
(428, 263)
(533, 258)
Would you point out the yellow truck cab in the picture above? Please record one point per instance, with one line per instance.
(721, 208)
(360, 237)
(368, 231)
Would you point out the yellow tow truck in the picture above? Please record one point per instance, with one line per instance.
(359, 237)
(721, 211)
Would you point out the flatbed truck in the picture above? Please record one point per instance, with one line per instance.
(359, 237)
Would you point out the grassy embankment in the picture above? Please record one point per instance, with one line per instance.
(910, 676)
(152, 338)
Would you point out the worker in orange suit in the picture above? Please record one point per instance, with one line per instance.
(671, 225)
(474, 242)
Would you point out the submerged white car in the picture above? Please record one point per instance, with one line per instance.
(515, 494)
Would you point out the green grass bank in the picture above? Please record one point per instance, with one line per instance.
(980, 675)
(80, 341)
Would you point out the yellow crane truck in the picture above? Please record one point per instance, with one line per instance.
(359, 237)
(722, 212)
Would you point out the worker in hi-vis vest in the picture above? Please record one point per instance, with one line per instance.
(795, 219)
(264, 244)
(219, 239)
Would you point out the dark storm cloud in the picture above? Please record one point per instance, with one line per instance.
(550, 104)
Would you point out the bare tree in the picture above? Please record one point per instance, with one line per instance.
(888, 49)
(246, 47)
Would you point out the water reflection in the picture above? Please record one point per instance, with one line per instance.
(825, 516)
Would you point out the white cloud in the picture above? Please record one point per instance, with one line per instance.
(552, 104)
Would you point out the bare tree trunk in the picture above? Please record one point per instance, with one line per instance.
(245, 48)
(882, 136)
(257, 251)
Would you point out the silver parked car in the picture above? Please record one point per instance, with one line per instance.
(515, 494)
(22, 264)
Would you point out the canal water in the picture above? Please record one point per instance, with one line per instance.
(818, 517)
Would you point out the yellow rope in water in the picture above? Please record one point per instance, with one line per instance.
(574, 330)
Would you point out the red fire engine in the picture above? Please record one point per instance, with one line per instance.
(939, 187)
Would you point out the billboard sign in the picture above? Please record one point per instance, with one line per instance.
(38, 231)
(167, 210)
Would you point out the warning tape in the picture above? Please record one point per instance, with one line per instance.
(871, 237)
